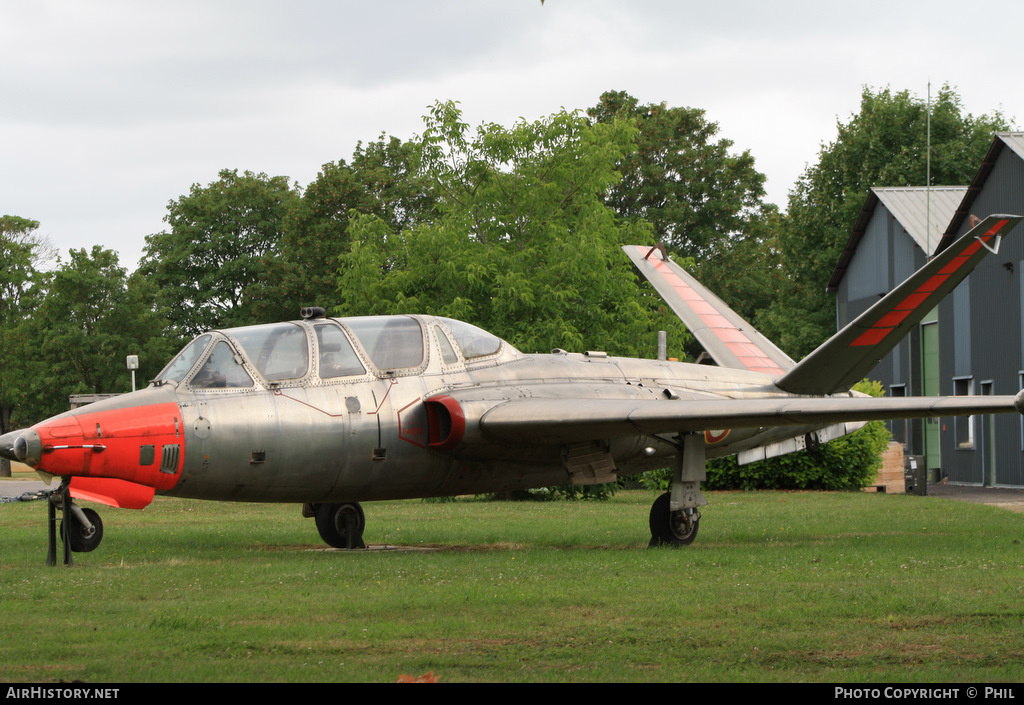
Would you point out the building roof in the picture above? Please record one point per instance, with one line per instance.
(915, 208)
(1013, 140)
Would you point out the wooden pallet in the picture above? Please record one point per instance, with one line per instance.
(891, 478)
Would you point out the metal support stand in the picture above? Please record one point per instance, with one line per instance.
(65, 526)
(63, 496)
(51, 526)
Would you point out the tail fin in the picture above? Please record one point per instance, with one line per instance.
(854, 351)
(727, 338)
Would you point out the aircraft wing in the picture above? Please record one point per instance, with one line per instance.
(727, 338)
(854, 351)
(561, 420)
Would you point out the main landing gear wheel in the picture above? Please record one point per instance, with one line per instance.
(83, 537)
(341, 525)
(670, 528)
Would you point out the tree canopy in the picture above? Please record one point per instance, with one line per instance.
(88, 315)
(681, 177)
(209, 268)
(22, 252)
(519, 239)
(383, 179)
(704, 201)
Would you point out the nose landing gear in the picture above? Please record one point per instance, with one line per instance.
(80, 529)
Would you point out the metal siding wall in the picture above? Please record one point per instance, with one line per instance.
(997, 319)
(962, 329)
(868, 274)
(954, 361)
(898, 364)
(998, 312)
(904, 261)
(1020, 314)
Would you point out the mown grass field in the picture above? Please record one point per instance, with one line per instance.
(820, 587)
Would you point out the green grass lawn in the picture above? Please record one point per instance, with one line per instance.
(823, 587)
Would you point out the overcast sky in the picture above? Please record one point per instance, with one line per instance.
(109, 109)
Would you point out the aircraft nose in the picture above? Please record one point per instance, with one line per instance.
(23, 446)
(7, 445)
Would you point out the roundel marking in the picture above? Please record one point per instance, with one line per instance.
(716, 436)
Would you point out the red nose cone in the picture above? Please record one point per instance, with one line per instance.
(141, 444)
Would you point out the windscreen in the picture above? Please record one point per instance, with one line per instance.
(184, 361)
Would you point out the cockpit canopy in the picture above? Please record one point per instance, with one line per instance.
(327, 349)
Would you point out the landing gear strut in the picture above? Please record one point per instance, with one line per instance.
(674, 517)
(340, 525)
(80, 529)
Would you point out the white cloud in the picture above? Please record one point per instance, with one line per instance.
(111, 109)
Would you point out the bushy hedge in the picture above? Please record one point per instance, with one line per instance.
(847, 463)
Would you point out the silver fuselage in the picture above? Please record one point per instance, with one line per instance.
(366, 437)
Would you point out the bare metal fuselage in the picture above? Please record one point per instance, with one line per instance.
(368, 438)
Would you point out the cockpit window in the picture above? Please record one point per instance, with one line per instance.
(474, 342)
(447, 351)
(337, 357)
(222, 370)
(178, 367)
(392, 342)
(278, 350)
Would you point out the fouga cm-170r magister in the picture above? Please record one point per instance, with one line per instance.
(327, 413)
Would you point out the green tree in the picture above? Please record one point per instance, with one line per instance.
(90, 318)
(884, 144)
(210, 267)
(519, 241)
(383, 179)
(22, 252)
(682, 178)
(704, 201)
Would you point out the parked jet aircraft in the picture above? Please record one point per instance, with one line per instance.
(328, 413)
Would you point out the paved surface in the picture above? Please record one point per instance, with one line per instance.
(1012, 499)
(18, 487)
(1008, 498)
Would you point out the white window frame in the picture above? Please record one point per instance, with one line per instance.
(963, 426)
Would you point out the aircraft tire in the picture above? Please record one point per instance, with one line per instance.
(668, 527)
(341, 525)
(82, 541)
